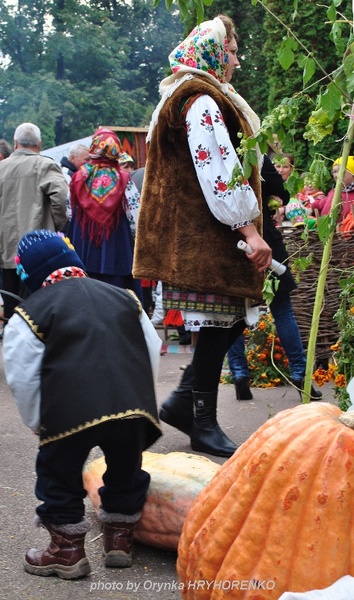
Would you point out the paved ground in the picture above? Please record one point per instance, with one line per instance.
(153, 574)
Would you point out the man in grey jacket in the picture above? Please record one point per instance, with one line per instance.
(33, 195)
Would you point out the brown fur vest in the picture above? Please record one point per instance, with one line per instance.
(179, 241)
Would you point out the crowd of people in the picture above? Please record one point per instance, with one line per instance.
(311, 201)
(83, 243)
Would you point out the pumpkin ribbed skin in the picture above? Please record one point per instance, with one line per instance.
(176, 479)
(279, 511)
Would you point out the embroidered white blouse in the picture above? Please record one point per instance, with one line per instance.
(214, 159)
(132, 196)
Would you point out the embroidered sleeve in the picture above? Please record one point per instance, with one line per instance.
(214, 158)
(132, 205)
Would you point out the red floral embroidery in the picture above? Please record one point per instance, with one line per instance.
(201, 156)
(63, 273)
(221, 188)
(207, 121)
(224, 151)
(218, 118)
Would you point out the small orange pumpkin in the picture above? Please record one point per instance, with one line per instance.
(176, 479)
(278, 515)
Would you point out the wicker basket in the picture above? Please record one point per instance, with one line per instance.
(303, 298)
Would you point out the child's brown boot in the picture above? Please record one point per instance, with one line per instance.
(65, 555)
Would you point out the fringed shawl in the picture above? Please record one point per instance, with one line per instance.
(97, 189)
(97, 195)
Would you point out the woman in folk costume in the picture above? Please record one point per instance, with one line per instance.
(105, 203)
(190, 220)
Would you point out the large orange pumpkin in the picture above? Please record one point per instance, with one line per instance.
(176, 479)
(278, 515)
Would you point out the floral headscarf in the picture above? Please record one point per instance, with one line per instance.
(105, 145)
(204, 49)
(97, 188)
(204, 52)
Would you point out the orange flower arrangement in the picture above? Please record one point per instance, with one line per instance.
(322, 376)
(267, 363)
(342, 369)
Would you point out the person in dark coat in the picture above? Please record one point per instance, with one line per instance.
(281, 306)
(78, 155)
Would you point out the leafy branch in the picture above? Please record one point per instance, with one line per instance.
(334, 102)
(328, 239)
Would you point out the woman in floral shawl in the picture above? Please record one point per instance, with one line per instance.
(191, 219)
(105, 204)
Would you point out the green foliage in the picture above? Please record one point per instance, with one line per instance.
(319, 173)
(22, 33)
(286, 54)
(286, 120)
(270, 286)
(348, 66)
(300, 264)
(99, 62)
(341, 371)
(237, 177)
(305, 50)
(344, 350)
(326, 224)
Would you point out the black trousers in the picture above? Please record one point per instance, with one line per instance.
(212, 345)
(59, 471)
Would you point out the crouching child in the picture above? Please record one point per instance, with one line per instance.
(81, 357)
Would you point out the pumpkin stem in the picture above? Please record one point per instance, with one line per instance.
(347, 419)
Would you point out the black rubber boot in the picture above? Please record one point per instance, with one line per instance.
(242, 388)
(315, 395)
(206, 435)
(177, 410)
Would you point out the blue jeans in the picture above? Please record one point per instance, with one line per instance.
(289, 335)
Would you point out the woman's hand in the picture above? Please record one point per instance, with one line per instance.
(262, 254)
